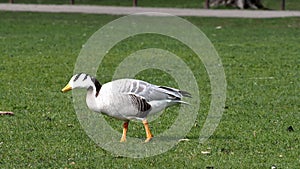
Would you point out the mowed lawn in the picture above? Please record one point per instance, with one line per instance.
(261, 61)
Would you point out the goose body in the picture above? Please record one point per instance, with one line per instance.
(126, 99)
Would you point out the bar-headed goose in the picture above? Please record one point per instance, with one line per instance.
(126, 99)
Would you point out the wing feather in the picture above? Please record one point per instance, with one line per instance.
(140, 103)
(149, 92)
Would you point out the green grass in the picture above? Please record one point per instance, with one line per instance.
(271, 4)
(261, 60)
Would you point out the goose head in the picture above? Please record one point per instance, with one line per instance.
(82, 80)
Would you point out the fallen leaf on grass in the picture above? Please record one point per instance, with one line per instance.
(219, 27)
(72, 163)
(184, 139)
(273, 167)
(205, 152)
(6, 113)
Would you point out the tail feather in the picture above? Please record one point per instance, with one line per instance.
(180, 102)
(175, 92)
(185, 94)
(183, 102)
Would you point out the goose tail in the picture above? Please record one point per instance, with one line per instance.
(180, 102)
(185, 93)
(175, 92)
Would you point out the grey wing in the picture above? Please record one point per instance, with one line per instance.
(151, 92)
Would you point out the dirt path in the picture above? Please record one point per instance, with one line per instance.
(130, 10)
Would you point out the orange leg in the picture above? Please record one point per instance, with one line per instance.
(125, 128)
(148, 132)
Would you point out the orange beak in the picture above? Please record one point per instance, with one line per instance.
(66, 88)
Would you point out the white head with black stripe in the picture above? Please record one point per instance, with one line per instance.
(82, 80)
